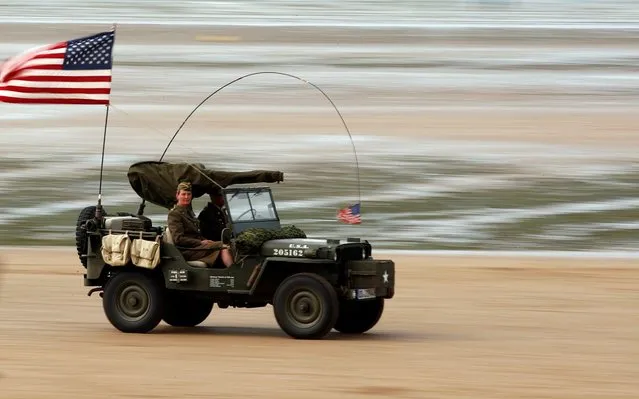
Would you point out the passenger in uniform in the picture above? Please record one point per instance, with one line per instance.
(212, 217)
(185, 230)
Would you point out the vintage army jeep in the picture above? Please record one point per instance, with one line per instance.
(314, 284)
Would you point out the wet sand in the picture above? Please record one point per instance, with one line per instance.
(137, 131)
(167, 33)
(459, 327)
(153, 90)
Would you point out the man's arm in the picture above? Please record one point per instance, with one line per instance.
(177, 231)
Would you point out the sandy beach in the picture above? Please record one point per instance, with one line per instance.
(459, 327)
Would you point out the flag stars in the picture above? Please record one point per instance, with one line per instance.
(90, 53)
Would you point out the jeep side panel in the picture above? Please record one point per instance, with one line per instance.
(274, 270)
(178, 274)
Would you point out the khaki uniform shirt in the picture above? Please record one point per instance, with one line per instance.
(185, 230)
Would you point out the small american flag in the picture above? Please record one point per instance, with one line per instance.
(76, 71)
(350, 214)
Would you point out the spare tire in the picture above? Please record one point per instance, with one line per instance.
(81, 232)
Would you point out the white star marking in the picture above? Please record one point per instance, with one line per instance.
(385, 275)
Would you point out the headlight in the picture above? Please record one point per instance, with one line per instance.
(363, 253)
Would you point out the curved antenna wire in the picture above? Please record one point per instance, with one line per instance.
(189, 148)
(359, 197)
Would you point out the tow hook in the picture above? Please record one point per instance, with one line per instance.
(94, 290)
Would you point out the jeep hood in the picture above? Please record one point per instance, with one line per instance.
(156, 181)
(311, 247)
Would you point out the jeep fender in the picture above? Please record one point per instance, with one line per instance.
(272, 271)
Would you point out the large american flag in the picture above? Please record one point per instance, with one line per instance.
(76, 71)
(350, 214)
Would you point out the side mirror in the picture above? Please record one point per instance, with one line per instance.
(227, 234)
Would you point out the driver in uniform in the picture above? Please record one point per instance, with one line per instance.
(185, 230)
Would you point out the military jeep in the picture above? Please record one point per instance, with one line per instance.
(314, 284)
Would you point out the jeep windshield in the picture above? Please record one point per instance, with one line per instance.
(251, 205)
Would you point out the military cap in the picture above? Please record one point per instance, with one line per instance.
(185, 186)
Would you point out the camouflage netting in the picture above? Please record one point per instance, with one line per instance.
(250, 240)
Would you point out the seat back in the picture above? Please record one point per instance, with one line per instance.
(167, 235)
(169, 240)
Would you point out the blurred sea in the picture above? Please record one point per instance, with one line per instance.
(538, 14)
(409, 56)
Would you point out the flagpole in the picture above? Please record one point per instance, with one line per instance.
(98, 209)
(106, 121)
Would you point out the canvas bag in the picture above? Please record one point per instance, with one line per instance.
(116, 249)
(145, 253)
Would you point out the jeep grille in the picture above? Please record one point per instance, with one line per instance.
(352, 252)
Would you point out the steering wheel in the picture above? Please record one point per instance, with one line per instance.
(253, 212)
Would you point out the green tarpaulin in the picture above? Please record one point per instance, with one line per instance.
(156, 182)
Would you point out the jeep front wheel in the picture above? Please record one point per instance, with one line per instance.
(357, 317)
(133, 302)
(183, 310)
(306, 306)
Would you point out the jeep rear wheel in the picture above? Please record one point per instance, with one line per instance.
(357, 317)
(306, 306)
(133, 302)
(183, 310)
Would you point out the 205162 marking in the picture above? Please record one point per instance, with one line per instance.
(288, 252)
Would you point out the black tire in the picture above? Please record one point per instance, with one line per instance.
(357, 317)
(305, 306)
(81, 233)
(133, 302)
(183, 310)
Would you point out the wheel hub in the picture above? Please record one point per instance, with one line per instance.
(133, 301)
(304, 308)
